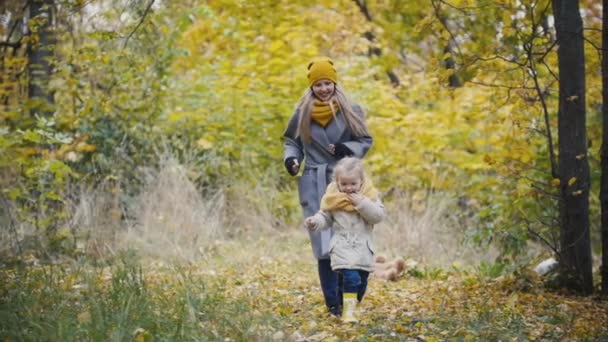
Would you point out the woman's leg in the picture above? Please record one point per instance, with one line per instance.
(329, 285)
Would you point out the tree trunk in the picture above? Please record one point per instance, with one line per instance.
(450, 64)
(40, 53)
(604, 151)
(575, 260)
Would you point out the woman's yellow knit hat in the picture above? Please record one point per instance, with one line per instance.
(320, 68)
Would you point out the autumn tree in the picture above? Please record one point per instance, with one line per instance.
(40, 52)
(575, 259)
(604, 153)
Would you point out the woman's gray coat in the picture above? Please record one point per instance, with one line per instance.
(319, 164)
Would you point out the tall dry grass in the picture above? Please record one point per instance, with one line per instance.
(430, 229)
(173, 218)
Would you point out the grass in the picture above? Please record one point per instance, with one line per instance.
(267, 288)
(206, 278)
(117, 301)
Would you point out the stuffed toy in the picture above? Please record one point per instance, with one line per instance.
(389, 270)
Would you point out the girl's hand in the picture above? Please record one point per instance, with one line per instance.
(332, 148)
(310, 223)
(355, 198)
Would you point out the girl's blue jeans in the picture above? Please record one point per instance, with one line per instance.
(353, 281)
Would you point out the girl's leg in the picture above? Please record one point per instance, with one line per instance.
(363, 287)
(351, 280)
(329, 285)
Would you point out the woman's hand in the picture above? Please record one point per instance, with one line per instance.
(355, 198)
(292, 165)
(340, 150)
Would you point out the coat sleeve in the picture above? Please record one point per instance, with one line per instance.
(292, 145)
(360, 145)
(324, 219)
(371, 211)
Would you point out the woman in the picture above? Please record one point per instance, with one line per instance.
(325, 127)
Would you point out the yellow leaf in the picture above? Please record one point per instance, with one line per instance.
(141, 335)
(572, 98)
(276, 45)
(469, 338)
(555, 182)
(571, 181)
(84, 317)
(84, 147)
(204, 144)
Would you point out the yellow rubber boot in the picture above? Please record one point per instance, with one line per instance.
(350, 304)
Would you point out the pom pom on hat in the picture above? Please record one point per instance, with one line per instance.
(321, 68)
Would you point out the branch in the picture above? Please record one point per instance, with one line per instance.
(141, 20)
(592, 29)
(541, 238)
(370, 38)
(363, 7)
(463, 10)
(550, 70)
(501, 86)
(13, 28)
(14, 45)
(542, 57)
(544, 192)
(597, 48)
(444, 23)
(541, 96)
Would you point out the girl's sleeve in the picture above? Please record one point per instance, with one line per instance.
(292, 145)
(371, 211)
(359, 145)
(324, 219)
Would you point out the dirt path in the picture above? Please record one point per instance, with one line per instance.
(280, 279)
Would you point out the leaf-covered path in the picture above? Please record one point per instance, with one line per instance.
(423, 305)
(267, 289)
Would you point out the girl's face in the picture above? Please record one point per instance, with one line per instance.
(323, 89)
(349, 183)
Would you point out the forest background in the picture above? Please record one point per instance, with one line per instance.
(152, 129)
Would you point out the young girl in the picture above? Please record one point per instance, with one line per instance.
(325, 127)
(350, 207)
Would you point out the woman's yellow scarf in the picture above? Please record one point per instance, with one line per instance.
(336, 200)
(322, 113)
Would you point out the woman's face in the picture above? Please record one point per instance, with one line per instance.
(323, 89)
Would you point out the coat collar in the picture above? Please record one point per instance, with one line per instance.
(331, 134)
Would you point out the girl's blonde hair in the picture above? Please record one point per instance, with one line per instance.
(355, 123)
(349, 166)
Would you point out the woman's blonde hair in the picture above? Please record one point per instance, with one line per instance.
(354, 121)
(349, 166)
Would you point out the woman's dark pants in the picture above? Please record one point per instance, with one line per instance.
(330, 286)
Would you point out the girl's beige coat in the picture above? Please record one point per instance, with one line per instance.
(351, 246)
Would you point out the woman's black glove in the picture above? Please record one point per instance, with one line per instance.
(292, 166)
(342, 151)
